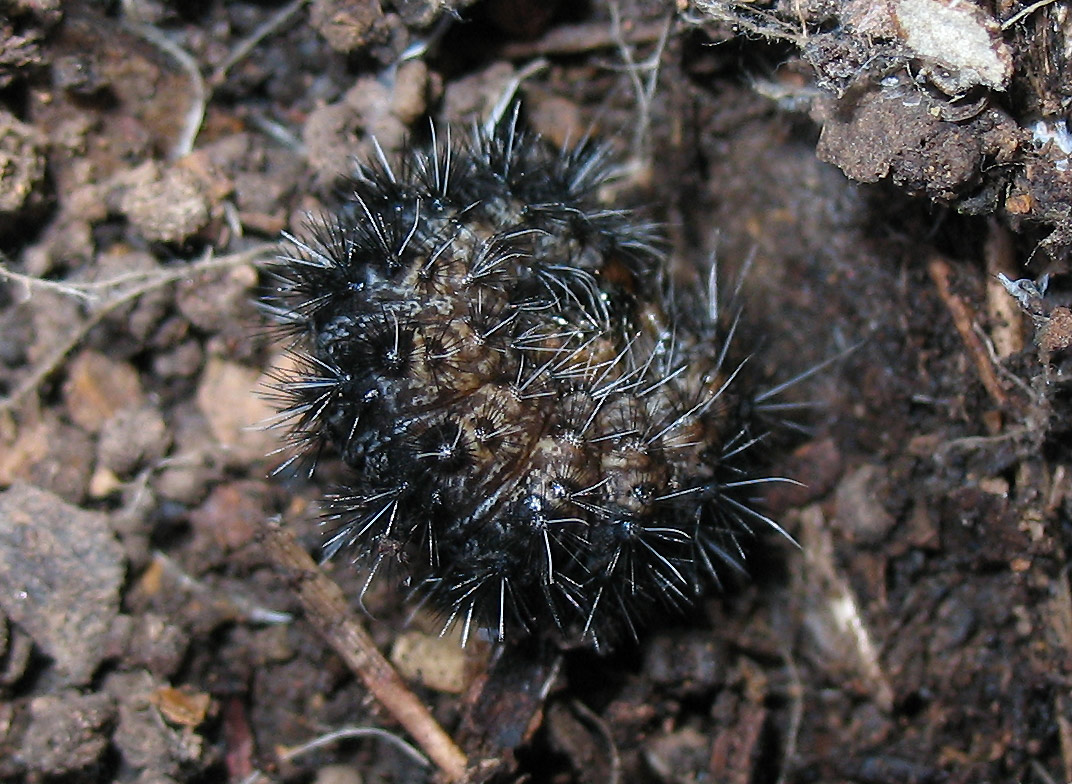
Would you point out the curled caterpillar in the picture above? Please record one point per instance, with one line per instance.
(539, 433)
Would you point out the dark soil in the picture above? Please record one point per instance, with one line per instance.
(867, 183)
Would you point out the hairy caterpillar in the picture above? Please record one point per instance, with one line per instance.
(540, 432)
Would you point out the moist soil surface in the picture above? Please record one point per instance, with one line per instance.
(863, 181)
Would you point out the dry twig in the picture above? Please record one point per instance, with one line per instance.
(581, 38)
(963, 320)
(796, 717)
(1006, 318)
(330, 614)
(1025, 12)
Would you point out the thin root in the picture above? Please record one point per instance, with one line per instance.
(123, 296)
(644, 89)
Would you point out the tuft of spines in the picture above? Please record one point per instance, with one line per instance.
(542, 436)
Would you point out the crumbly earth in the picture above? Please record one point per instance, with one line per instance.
(862, 182)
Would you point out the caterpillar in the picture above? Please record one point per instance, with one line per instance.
(542, 436)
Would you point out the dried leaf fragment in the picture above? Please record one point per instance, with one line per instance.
(958, 35)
